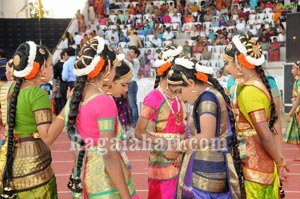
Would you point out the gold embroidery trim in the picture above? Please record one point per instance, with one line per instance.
(247, 133)
(210, 185)
(258, 176)
(43, 116)
(167, 135)
(127, 77)
(106, 124)
(210, 156)
(182, 173)
(258, 116)
(32, 180)
(207, 106)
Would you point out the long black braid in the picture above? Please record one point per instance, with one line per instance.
(10, 140)
(88, 52)
(273, 114)
(233, 142)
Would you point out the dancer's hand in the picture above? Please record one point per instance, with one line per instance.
(170, 155)
(288, 118)
(69, 92)
(283, 170)
(178, 160)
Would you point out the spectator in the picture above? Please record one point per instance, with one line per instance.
(134, 53)
(135, 40)
(77, 39)
(84, 40)
(123, 38)
(57, 81)
(186, 48)
(68, 75)
(149, 8)
(113, 43)
(241, 26)
(251, 30)
(274, 51)
(195, 7)
(2, 65)
(156, 42)
(166, 18)
(168, 35)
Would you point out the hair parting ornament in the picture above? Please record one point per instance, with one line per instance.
(32, 67)
(250, 52)
(93, 69)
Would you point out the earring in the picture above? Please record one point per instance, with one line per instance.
(240, 74)
(193, 91)
(43, 76)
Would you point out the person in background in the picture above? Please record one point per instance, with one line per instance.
(8, 84)
(57, 90)
(274, 50)
(2, 65)
(68, 77)
(118, 89)
(292, 133)
(256, 115)
(47, 87)
(27, 118)
(166, 114)
(97, 162)
(134, 54)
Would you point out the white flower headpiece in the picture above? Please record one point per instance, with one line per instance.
(204, 69)
(171, 52)
(169, 55)
(85, 71)
(184, 62)
(31, 57)
(159, 62)
(237, 42)
(120, 57)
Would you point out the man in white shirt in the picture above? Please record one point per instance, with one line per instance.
(168, 35)
(77, 39)
(175, 18)
(156, 42)
(134, 53)
(252, 30)
(241, 26)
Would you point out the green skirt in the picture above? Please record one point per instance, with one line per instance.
(292, 133)
(47, 191)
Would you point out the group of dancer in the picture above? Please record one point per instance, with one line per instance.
(213, 148)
